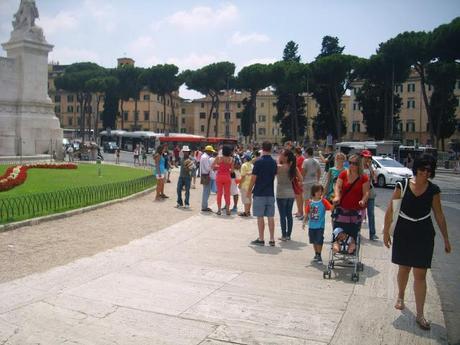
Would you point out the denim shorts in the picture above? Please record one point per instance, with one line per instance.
(263, 206)
(316, 236)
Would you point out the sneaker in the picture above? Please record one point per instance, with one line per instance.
(234, 210)
(258, 242)
(178, 206)
(187, 206)
(206, 209)
(315, 258)
(319, 260)
(374, 238)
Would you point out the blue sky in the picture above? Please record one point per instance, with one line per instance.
(192, 34)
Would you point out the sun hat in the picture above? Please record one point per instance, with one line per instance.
(185, 148)
(209, 148)
(366, 153)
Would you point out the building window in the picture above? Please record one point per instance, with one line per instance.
(202, 105)
(239, 103)
(354, 106)
(238, 128)
(183, 110)
(146, 97)
(410, 126)
(238, 115)
(70, 108)
(202, 115)
(78, 121)
(69, 98)
(214, 115)
(411, 104)
(202, 128)
(262, 118)
(70, 121)
(183, 121)
(57, 109)
(261, 131)
(183, 130)
(125, 115)
(411, 87)
(262, 104)
(158, 116)
(429, 87)
(356, 127)
(146, 115)
(227, 106)
(398, 88)
(227, 116)
(158, 98)
(57, 98)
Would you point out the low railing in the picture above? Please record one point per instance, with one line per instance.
(40, 204)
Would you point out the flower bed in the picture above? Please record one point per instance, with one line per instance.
(16, 175)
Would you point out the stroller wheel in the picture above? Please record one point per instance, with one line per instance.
(360, 266)
(327, 274)
(355, 277)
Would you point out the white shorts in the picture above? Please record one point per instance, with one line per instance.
(234, 188)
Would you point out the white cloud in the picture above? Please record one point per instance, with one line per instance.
(61, 22)
(194, 61)
(65, 55)
(266, 60)
(201, 17)
(143, 50)
(189, 94)
(99, 9)
(239, 38)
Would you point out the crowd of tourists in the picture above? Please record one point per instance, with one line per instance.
(346, 188)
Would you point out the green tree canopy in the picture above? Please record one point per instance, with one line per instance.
(210, 80)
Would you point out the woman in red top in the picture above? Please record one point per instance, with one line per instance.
(298, 190)
(351, 194)
(224, 166)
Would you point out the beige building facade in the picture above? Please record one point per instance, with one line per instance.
(413, 127)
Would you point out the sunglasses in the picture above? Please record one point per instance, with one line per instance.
(354, 163)
(428, 169)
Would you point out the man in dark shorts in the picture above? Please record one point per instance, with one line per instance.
(262, 186)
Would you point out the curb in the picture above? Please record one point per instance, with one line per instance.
(38, 220)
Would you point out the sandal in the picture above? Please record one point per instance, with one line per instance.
(423, 323)
(400, 304)
(271, 243)
(219, 213)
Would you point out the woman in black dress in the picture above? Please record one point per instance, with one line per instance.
(413, 239)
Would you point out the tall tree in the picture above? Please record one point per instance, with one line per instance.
(128, 77)
(290, 82)
(443, 103)
(330, 46)
(164, 80)
(252, 79)
(101, 86)
(291, 52)
(75, 79)
(210, 80)
(331, 75)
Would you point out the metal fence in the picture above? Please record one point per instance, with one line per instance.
(40, 204)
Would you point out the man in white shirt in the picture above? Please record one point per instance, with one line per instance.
(311, 173)
(205, 170)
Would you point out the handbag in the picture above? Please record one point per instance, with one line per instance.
(396, 203)
(205, 179)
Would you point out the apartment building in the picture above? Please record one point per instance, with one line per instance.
(414, 125)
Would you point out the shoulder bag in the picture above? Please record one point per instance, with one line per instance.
(396, 203)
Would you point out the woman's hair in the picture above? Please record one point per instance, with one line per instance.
(292, 163)
(317, 187)
(340, 154)
(425, 160)
(298, 150)
(227, 151)
(360, 162)
(159, 150)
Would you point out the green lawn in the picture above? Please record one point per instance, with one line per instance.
(47, 180)
(48, 191)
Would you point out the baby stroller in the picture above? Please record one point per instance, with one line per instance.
(347, 225)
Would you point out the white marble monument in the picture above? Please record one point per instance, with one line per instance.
(28, 124)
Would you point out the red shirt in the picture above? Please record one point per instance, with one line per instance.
(299, 162)
(353, 196)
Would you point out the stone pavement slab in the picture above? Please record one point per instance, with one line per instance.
(200, 282)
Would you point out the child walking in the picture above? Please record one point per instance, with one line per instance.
(315, 214)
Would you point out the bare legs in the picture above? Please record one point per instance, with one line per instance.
(419, 291)
(271, 227)
(160, 188)
(299, 203)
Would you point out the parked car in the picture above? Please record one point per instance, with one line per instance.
(389, 171)
(110, 147)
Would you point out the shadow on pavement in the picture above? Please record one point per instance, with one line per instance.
(406, 322)
(266, 249)
(293, 245)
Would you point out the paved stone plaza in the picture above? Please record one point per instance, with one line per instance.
(197, 281)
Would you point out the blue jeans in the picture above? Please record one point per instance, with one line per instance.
(183, 181)
(213, 185)
(371, 216)
(205, 195)
(285, 210)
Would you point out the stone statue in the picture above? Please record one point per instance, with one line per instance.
(24, 21)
